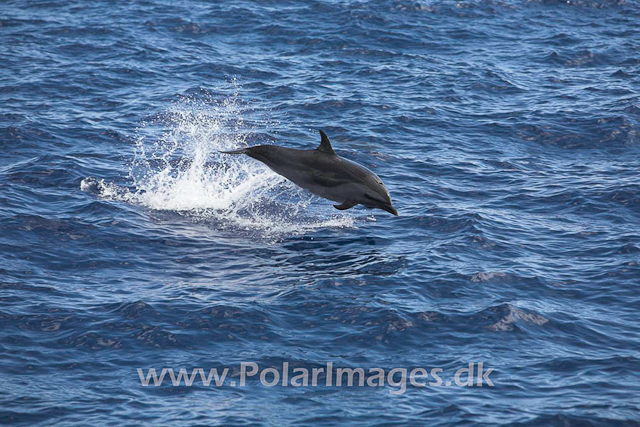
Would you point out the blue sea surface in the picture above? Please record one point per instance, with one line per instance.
(507, 133)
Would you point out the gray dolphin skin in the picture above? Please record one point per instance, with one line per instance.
(324, 173)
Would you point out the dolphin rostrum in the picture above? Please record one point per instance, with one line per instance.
(324, 173)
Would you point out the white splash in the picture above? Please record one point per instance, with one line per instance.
(177, 167)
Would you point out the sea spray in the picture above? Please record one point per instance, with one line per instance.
(177, 167)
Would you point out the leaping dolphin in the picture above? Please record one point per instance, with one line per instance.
(324, 173)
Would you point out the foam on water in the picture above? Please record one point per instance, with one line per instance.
(177, 167)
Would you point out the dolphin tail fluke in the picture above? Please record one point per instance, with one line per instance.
(346, 205)
(240, 151)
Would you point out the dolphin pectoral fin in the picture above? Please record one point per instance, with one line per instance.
(346, 205)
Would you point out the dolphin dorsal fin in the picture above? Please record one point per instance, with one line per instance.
(325, 144)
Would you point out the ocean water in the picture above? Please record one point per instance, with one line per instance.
(507, 133)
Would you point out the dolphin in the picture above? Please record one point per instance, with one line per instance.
(324, 173)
